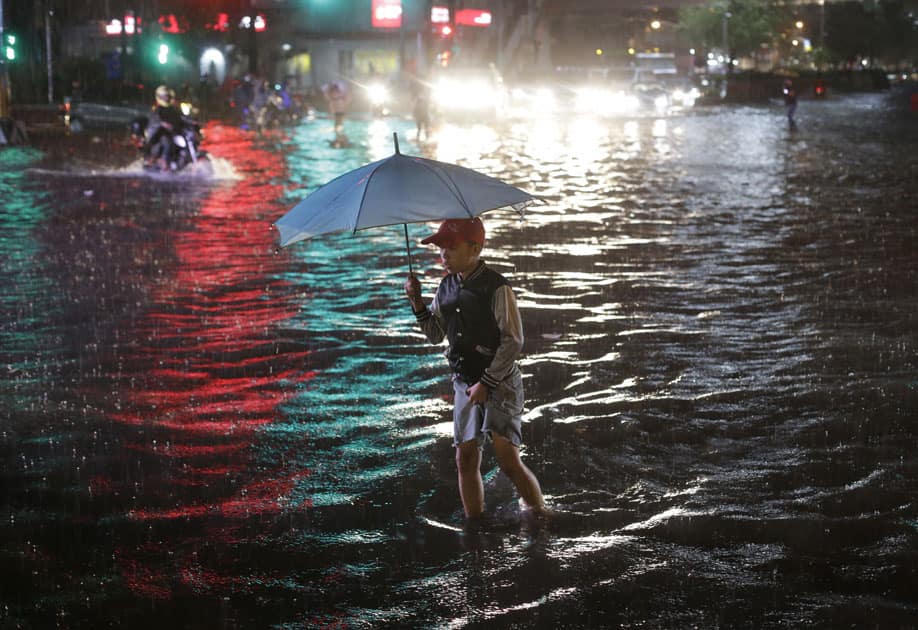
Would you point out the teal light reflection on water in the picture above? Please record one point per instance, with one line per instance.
(371, 409)
(26, 338)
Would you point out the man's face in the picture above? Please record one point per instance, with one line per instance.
(460, 258)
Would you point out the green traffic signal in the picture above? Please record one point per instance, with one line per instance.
(9, 48)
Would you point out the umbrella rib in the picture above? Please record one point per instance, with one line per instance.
(453, 189)
(364, 195)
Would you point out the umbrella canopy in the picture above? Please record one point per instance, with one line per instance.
(398, 189)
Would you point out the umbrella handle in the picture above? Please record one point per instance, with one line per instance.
(408, 248)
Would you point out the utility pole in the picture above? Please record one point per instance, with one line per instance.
(822, 23)
(727, 56)
(253, 43)
(4, 74)
(48, 13)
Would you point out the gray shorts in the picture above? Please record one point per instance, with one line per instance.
(502, 414)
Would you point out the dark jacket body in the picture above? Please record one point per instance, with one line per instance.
(472, 331)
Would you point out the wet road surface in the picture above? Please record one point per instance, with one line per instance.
(720, 365)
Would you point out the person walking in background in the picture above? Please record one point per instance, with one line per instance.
(421, 110)
(475, 310)
(790, 102)
(338, 99)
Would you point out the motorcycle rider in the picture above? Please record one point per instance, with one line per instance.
(165, 121)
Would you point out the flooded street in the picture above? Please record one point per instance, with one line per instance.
(721, 369)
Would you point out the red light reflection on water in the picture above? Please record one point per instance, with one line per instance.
(209, 374)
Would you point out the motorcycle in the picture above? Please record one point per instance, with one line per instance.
(167, 149)
(280, 110)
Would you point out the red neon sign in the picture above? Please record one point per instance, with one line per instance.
(387, 14)
(170, 24)
(221, 24)
(473, 17)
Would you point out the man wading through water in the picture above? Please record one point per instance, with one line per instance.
(475, 310)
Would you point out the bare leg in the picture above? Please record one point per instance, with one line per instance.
(508, 458)
(471, 487)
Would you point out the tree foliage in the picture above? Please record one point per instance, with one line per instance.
(882, 30)
(886, 31)
(749, 24)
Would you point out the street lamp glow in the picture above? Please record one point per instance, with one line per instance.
(599, 52)
(655, 25)
(631, 51)
(799, 24)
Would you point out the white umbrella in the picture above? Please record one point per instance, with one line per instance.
(399, 189)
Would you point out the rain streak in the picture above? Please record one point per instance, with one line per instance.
(199, 428)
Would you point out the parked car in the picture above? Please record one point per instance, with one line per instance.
(80, 115)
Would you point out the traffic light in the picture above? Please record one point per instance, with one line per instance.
(9, 47)
(163, 56)
(444, 34)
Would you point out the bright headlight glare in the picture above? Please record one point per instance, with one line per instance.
(623, 103)
(592, 100)
(378, 93)
(468, 95)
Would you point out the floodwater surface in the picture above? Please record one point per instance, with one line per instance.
(721, 315)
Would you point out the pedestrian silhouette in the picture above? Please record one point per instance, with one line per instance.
(790, 102)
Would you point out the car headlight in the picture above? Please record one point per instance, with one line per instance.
(661, 102)
(378, 94)
(467, 95)
(621, 103)
(592, 100)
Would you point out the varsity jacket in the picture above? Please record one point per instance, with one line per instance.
(479, 318)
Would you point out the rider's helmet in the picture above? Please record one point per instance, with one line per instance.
(163, 96)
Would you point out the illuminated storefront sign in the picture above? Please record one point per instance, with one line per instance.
(473, 17)
(260, 23)
(130, 25)
(387, 14)
(439, 15)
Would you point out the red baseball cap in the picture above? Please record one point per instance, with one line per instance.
(454, 231)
